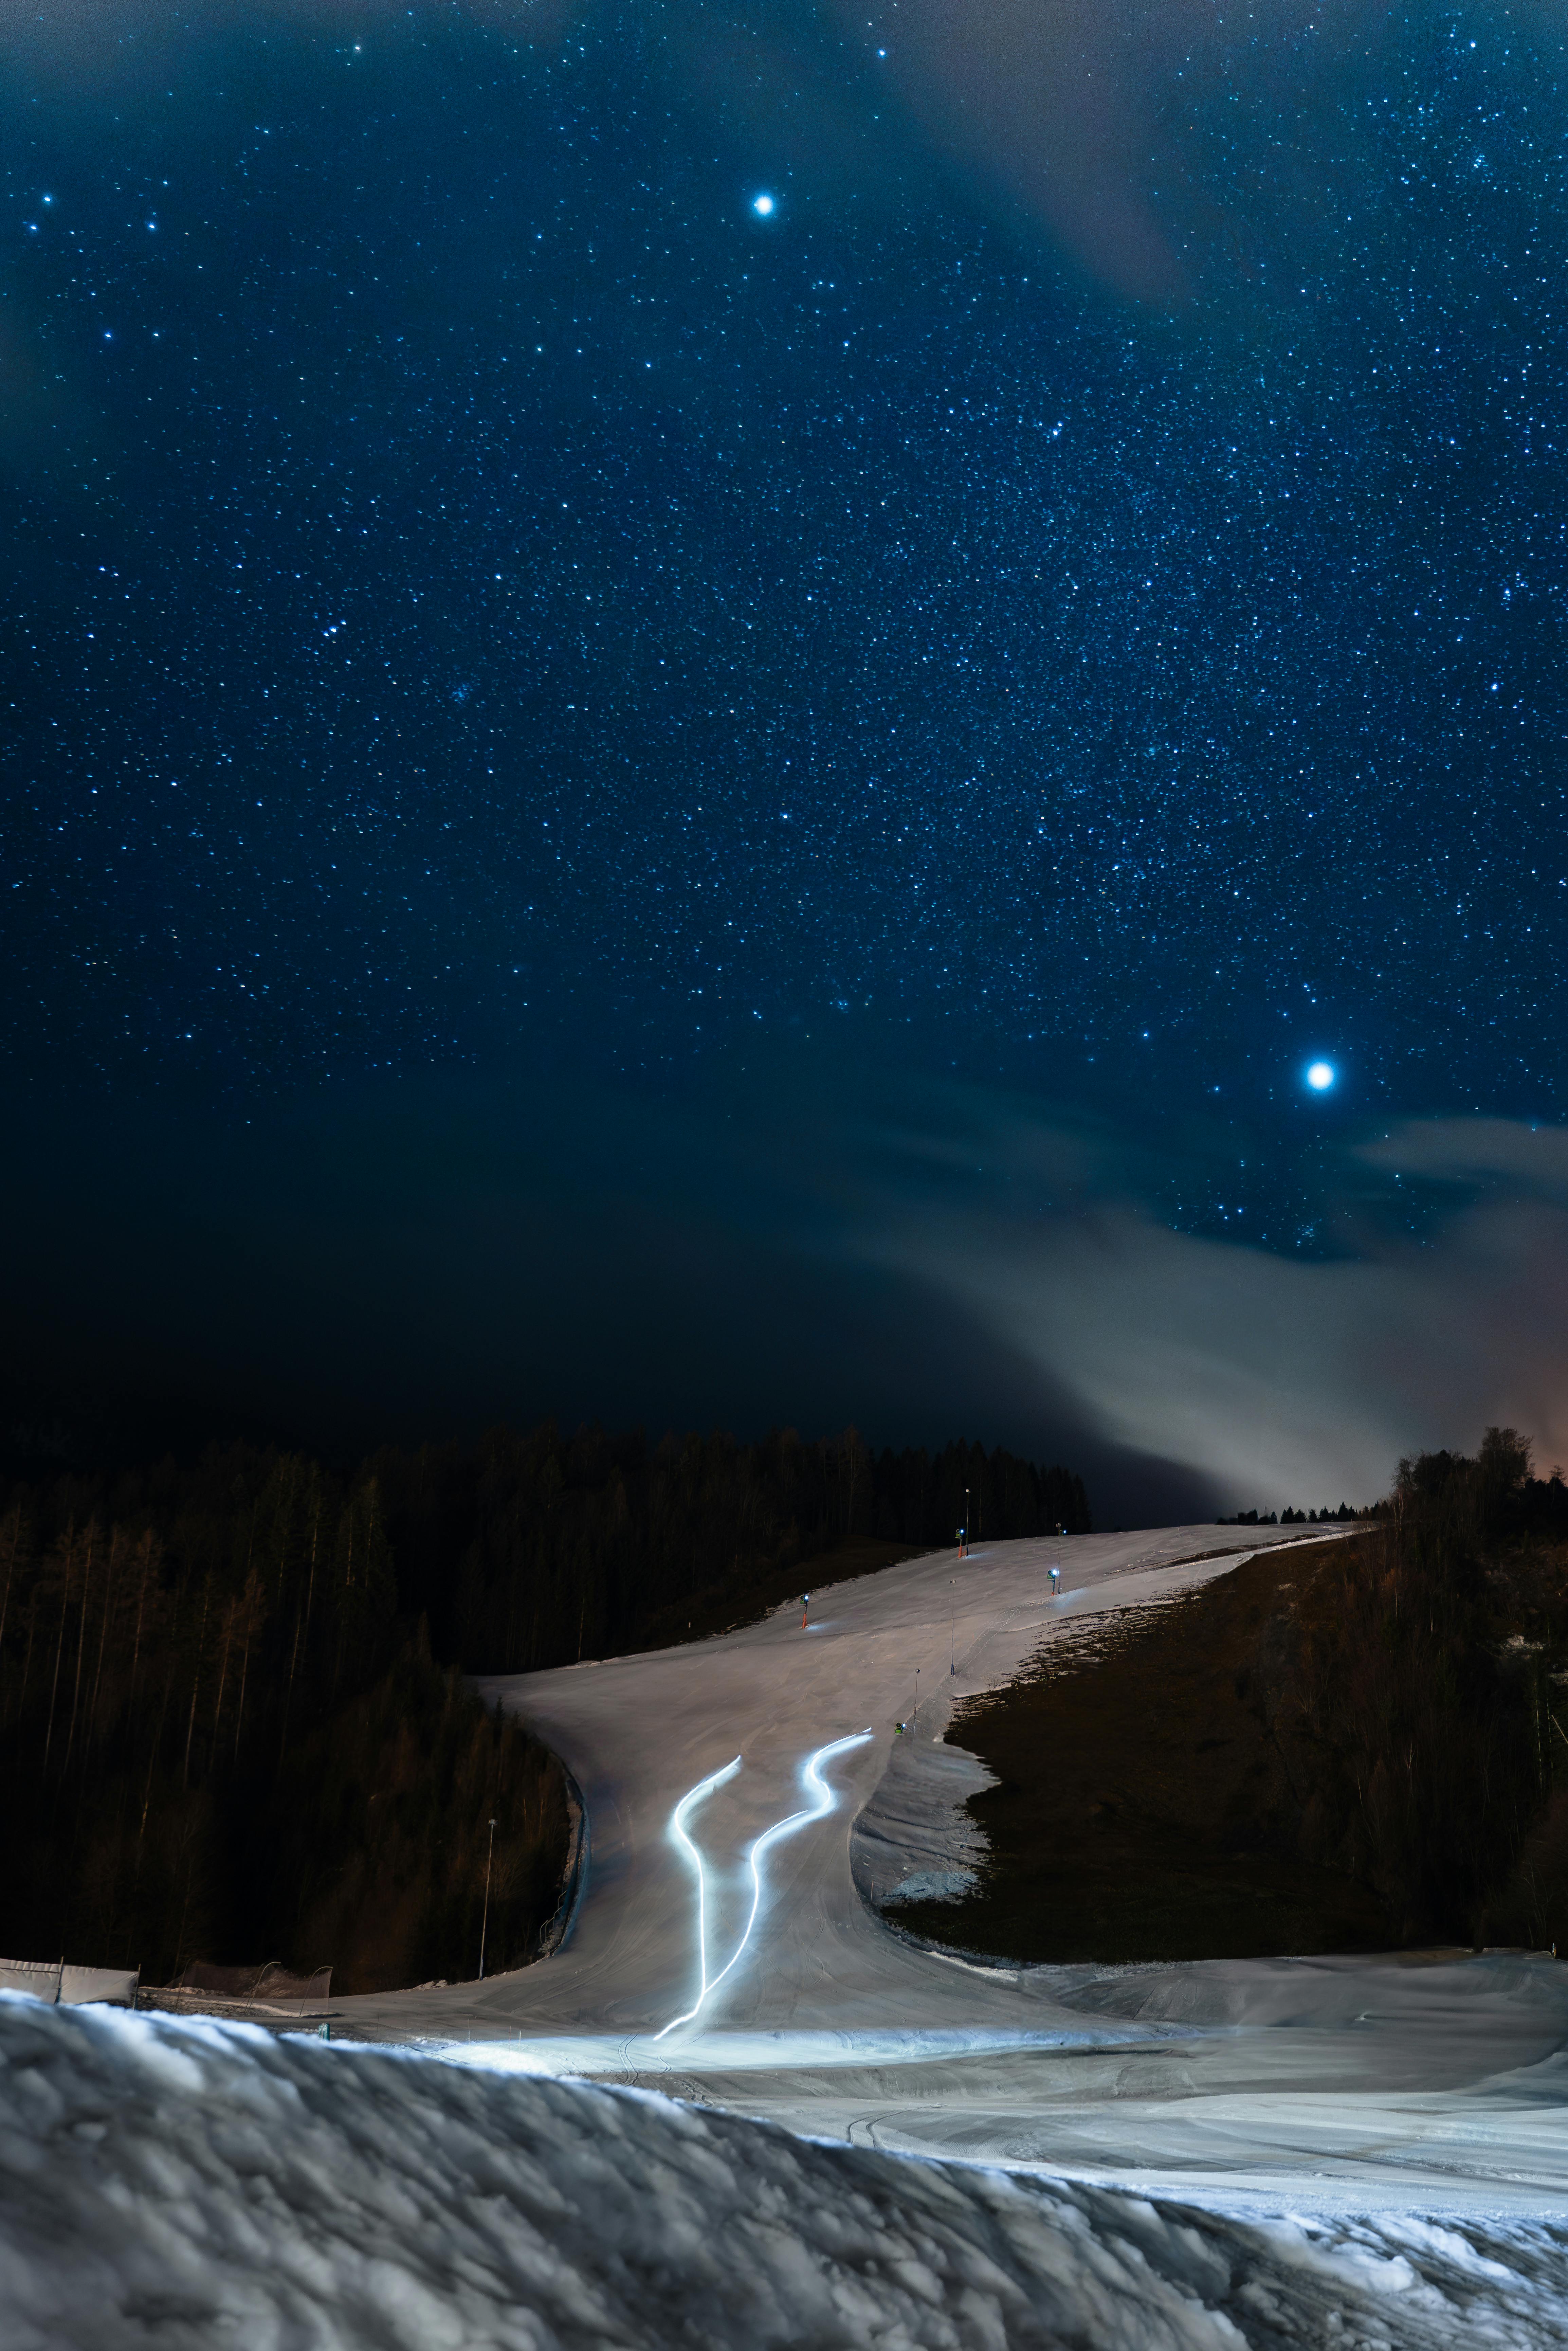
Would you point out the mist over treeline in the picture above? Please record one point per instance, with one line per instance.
(231, 1721)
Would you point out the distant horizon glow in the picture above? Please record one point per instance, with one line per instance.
(1321, 1076)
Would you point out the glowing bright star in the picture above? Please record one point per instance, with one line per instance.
(1321, 1076)
(823, 1800)
(763, 206)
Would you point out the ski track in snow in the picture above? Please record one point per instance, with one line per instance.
(178, 2184)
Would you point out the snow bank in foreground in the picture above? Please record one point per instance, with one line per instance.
(173, 2184)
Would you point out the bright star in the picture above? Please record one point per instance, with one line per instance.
(763, 205)
(1321, 1076)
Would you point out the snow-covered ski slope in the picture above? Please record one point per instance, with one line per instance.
(1432, 2082)
(1365, 2155)
(172, 2185)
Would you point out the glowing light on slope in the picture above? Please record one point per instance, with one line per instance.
(678, 1818)
(819, 1810)
(822, 1803)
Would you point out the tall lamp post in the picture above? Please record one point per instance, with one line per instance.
(485, 1922)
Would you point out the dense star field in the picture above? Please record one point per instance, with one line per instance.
(526, 665)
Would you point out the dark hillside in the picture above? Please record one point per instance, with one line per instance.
(231, 1721)
(1147, 1808)
(1358, 1744)
(220, 1741)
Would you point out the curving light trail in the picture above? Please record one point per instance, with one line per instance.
(819, 1810)
(823, 1800)
(696, 1795)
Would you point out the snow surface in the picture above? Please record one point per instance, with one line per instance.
(175, 2185)
(639, 1733)
(915, 1841)
(1433, 2082)
(1322, 2151)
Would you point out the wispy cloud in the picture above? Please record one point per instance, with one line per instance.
(1284, 1380)
(1528, 1158)
(812, 1245)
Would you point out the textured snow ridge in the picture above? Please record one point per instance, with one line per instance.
(915, 1837)
(175, 2184)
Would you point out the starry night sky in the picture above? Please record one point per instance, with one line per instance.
(622, 804)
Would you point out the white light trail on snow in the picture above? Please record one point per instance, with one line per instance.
(704, 1788)
(818, 1810)
(823, 1800)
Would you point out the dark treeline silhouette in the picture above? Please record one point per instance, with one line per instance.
(1419, 1704)
(539, 1549)
(1325, 1517)
(231, 1721)
(220, 1740)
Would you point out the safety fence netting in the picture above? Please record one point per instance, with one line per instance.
(204, 1989)
(72, 1987)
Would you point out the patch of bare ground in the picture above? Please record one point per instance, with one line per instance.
(1152, 1803)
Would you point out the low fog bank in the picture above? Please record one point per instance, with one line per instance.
(1426, 1302)
(1197, 1315)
